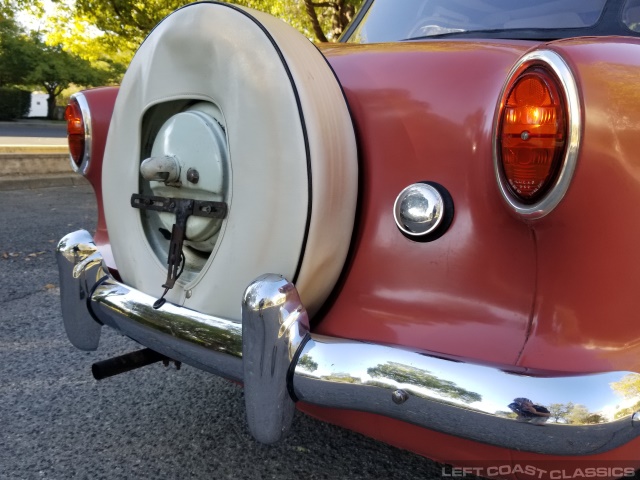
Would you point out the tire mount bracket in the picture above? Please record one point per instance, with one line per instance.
(182, 208)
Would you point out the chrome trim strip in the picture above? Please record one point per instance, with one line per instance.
(86, 117)
(462, 399)
(276, 358)
(206, 342)
(559, 67)
(80, 268)
(88, 292)
(434, 203)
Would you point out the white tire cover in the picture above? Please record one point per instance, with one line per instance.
(293, 179)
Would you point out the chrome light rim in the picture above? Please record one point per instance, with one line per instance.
(559, 67)
(435, 203)
(86, 119)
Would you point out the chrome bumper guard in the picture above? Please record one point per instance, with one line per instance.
(280, 362)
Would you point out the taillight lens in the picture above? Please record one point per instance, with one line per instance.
(75, 131)
(532, 134)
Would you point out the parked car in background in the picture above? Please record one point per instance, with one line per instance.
(426, 233)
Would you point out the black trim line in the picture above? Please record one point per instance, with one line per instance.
(302, 123)
(90, 296)
(292, 367)
(447, 219)
(353, 24)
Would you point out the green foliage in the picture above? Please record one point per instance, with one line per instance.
(624, 412)
(108, 32)
(575, 414)
(14, 103)
(9, 7)
(116, 27)
(594, 418)
(322, 21)
(87, 42)
(29, 62)
(628, 386)
(78, 35)
(579, 415)
(559, 411)
(54, 70)
(14, 47)
(307, 363)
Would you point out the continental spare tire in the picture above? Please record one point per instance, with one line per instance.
(231, 105)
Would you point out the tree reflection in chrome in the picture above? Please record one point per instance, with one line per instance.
(422, 378)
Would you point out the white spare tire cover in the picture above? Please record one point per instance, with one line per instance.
(292, 163)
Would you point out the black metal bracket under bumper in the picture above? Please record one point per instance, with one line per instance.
(279, 361)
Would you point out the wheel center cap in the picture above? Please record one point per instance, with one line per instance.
(189, 159)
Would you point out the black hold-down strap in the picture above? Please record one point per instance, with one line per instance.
(182, 208)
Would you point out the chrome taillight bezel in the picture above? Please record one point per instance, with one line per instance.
(554, 63)
(82, 167)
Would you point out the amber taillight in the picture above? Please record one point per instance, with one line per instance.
(532, 134)
(75, 131)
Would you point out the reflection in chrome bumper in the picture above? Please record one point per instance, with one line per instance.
(279, 361)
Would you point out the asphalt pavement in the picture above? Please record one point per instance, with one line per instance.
(57, 422)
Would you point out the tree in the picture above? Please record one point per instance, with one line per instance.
(560, 410)
(337, 13)
(9, 7)
(307, 363)
(579, 414)
(626, 411)
(629, 387)
(14, 48)
(27, 61)
(55, 70)
(78, 34)
(111, 30)
(323, 20)
(122, 24)
(106, 33)
(594, 418)
(423, 378)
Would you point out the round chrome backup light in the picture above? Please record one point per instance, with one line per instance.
(419, 210)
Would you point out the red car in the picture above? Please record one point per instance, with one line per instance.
(424, 233)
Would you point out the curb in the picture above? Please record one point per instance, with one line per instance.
(16, 164)
(36, 166)
(34, 149)
(32, 182)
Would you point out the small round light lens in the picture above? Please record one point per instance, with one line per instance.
(419, 209)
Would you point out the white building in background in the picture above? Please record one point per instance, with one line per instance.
(38, 104)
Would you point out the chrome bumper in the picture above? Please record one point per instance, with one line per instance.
(280, 362)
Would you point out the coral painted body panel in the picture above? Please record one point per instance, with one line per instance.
(101, 102)
(469, 292)
(580, 293)
(586, 304)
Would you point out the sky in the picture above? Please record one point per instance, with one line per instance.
(32, 22)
